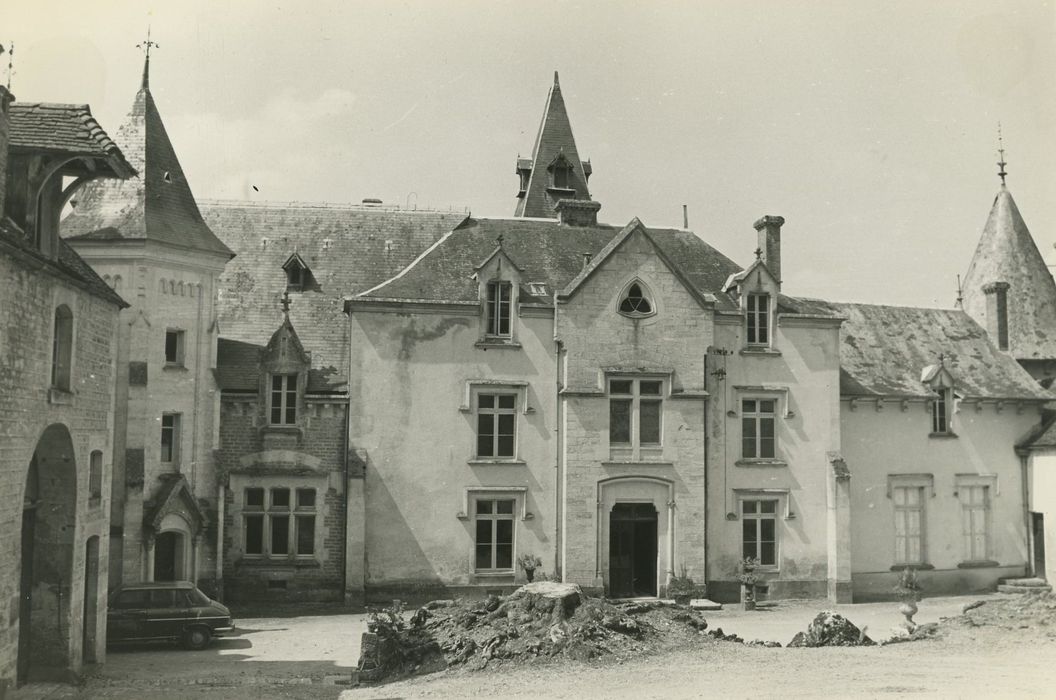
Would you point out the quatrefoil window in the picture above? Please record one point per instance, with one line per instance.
(635, 301)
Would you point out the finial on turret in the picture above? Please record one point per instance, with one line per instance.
(146, 46)
(286, 303)
(1001, 151)
(10, 63)
(556, 83)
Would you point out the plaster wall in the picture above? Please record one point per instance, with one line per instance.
(1043, 500)
(879, 443)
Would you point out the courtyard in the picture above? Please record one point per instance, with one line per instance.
(307, 656)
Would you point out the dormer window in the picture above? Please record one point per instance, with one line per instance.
(298, 276)
(283, 399)
(758, 319)
(940, 412)
(498, 309)
(525, 175)
(562, 176)
(635, 302)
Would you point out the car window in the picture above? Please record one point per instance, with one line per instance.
(196, 598)
(161, 598)
(132, 599)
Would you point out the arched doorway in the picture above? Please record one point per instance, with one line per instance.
(91, 599)
(635, 535)
(169, 557)
(49, 518)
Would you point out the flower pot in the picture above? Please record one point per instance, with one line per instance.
(682, 598)
(749, 605)
(529, 574)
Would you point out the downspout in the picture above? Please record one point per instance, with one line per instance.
(559, 346)
(344, 455)
(220, 507)
(1025, 488)
(198, 383)
(707, 443)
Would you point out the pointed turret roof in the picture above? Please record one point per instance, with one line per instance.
(555, 148)
(1007, 253)
(157, 204)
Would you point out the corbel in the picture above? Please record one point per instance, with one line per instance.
(879, 404)
(854, 404)
(905, 405)
(999, 406)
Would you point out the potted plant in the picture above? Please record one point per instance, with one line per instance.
(682, 587)
(748, 579)
(529, 562)
(908, 591)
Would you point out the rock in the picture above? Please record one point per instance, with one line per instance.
(491, 603)
(621, 623)
(704, 604)
(559, 633)
(829, 629)
(434, 604)
(561, 599)
(972, 606)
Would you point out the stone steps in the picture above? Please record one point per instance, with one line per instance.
(1023, 585)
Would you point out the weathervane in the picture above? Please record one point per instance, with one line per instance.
(146, 46)
(1001, 151)
(10, 63)
(286, 303)
(758, 253)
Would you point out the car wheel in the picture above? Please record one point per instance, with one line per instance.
(196, 638)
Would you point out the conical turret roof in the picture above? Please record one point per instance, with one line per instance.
(1007, 253)
(554, 147)
(157, 204)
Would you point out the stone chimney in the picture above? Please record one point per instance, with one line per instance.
(997, 312)
(5, 117)
(769, 228)
(578, 212)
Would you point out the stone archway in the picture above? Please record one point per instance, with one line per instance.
(636, 518)
(49, 520)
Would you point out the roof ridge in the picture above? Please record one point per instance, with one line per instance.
(299, 204)
(879, 306)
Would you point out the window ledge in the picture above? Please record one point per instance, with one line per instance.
(760, 350)
(497, 343)
(561, 190)
(60, 397)
(942, 435)
(980, 564)
(760, 463)
(289, 429)
(914, 567)
(494, 574)
(284, 562)
(484, 461)
(174, 367)
(637, 462)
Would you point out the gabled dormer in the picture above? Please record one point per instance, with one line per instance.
(498, 283)
(756, 288)
(940, 380)
(284, 369)
(298, 275)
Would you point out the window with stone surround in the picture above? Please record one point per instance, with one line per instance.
(635, 415)
(496, 425)
(975, 520)
(174, 347)
(758, 319)
(759, 530)
(279, 522)
(95, 475)
(941, 412)
(498, 309)
(282, 399)
(634, 302)
(493, 519)
(62, 349)
(170, 438)
(909, 524)
(758, 428)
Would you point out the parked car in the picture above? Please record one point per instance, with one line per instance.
(174, 610)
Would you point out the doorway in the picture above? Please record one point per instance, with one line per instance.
(1037, 521)
(168, 556)
(632, 550)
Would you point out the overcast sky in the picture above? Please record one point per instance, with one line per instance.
(871, 127)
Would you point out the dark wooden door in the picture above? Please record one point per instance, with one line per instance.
(165, 551)
(632, 550)
(1038, 524)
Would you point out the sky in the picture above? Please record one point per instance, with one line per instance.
(870, 126)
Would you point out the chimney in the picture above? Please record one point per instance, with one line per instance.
(769, 228)
(997, 312)
(578, 212)
(5, 117)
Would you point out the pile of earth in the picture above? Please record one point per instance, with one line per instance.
(829, 629)
(539, 621)
(1025, 612)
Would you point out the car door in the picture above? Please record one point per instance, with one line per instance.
(127, 615)
(167, 613)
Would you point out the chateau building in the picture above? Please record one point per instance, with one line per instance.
(58, 326)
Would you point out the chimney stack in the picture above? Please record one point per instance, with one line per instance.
(769, 228)
(578, 212)
(997, 312)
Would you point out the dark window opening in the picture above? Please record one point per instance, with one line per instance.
(758, 319)
(499, 294)
(635, 303)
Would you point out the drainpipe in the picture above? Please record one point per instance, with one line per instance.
(559, 345)
(220, 497)
(1025, 488)
(198, 383)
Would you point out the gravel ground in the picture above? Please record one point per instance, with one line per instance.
(1001, 653)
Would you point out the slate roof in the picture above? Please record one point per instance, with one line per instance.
(548, 253)
(553, 140)
(156, 205)
(883, 350)
(347, 248)
(67, 260)
(1007, 253)
(1043, 435)
(66, 129)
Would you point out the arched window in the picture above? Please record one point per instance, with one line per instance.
(635, 301)
(95, 476)
(62, 348)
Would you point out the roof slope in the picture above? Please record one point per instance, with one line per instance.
(554, 139)
(549, 254)
(66, 129)
(157, 205)
(1007, 253)
(346, 248)
(883, 350)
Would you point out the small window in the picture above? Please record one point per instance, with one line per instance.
(62, 348)
(254, 498)
(525, 175)
(940, 413)
(759, 530)
(496, 425)
(305, 498)
(174, 347)
(635, 302)
(498, 321)
(758, 319)
(494, 534)
(95, 475)
(295, 275)
(170, 437)
(758, 435)
(280, 498)
(562, 177)
(283, 399)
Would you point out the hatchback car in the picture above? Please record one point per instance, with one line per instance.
(175, 611)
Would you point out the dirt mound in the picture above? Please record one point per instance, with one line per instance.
(538, 621)
(1026, 611)
(830, 629)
